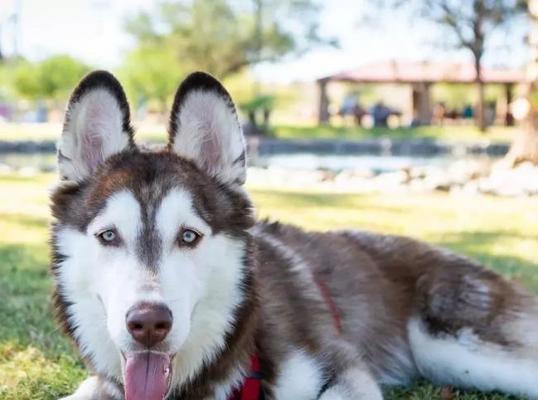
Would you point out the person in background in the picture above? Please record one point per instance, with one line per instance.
(380, 114)
(468, 112)
(490, 113)
(439, 113)
(351, 106)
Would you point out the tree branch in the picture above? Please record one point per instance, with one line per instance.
(451, 18)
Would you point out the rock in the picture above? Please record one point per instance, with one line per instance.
(464, 176)
(393, 178)
(5, 169)
(28, 171)
(503, 181)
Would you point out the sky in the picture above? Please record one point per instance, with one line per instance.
(93, 30)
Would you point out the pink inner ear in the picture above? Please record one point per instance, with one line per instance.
(211, 151)
(96, 122)
(92, 145)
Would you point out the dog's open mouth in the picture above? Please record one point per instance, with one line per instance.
(147, 375)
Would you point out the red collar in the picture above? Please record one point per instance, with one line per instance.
(252, 387)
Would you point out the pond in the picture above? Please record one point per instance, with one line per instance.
(336, 163)
(46, 162)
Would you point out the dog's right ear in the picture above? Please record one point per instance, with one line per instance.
(97, 125)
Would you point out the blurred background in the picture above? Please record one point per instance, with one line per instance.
(409, 117)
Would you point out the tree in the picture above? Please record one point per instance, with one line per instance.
(51, 79)
(470, 24)
(525, 146)
(224, 36)
(151, 73)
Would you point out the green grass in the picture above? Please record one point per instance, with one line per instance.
(37, 362)
(51, 132)
(465, 133)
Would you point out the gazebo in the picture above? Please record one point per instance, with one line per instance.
(420, 76)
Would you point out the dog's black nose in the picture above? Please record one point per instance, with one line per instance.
(149, 323)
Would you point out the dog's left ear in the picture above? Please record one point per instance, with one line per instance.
(204, 128)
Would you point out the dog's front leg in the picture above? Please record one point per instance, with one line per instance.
(353, 383)
(96, 388)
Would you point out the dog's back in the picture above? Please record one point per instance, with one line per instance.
(407, 308)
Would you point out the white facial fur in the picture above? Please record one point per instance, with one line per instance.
(200, 285)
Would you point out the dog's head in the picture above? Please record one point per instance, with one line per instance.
(150, 249)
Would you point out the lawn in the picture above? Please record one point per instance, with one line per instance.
(460, 133)
(36, 361)
(51, 132)
(156, 133)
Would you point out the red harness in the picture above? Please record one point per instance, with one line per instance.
(252, 387)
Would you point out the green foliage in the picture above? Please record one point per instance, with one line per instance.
(458, 95)
(36, 361)
(242, 86)
(151, 73)
(26, 81)
(454, 95)
(224, 36)
(4, 82)
(262, 102)
(282, 131)
(466, 133)
(50, 79)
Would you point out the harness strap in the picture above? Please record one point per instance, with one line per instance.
(326, 294)
(252, 387)
(253, 384)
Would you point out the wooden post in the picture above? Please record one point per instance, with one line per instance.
(422, 108)
(323, 109)
(509, 97)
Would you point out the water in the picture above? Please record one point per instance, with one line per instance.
(298, 161)
(336, 163)
(44, 162)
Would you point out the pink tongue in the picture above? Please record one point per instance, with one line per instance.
(146, 376)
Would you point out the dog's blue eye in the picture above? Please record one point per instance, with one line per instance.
(189, 237)
(108, 237)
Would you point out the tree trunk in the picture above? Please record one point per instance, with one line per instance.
(480, 111)
(525, 145)
(323, 110)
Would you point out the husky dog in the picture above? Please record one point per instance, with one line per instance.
(169, 287)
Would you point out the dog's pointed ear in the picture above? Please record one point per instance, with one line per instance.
(97, 125)
(205, 129)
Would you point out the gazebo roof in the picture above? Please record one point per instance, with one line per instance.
(417, 72)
